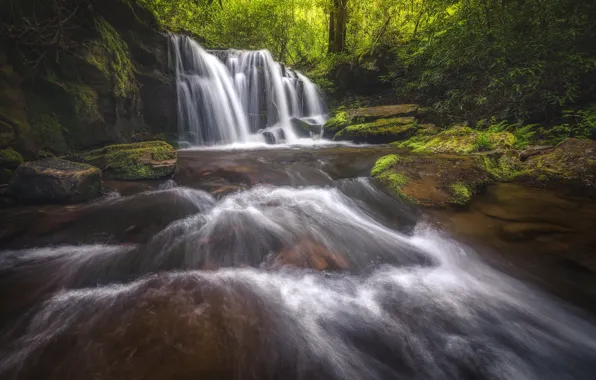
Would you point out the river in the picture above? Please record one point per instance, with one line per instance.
(290, 263)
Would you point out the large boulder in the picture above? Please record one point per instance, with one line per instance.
(145, 160)
(436, 180)
(571, 163)
(54, 180)
(381, 131)
(351, 117)
(384, 112)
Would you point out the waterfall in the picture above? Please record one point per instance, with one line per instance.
(237, 96)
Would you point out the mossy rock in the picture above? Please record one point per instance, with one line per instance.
(432, 180)
(385, 112)
(145, 160)
(459, 139)
(572, 164)
(55, 181)
(381, 131)
(339, 121)
(10, 158)
(7, 134)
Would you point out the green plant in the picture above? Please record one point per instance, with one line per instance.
(483, 143)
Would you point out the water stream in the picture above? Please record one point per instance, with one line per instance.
(276, 264)
(300, 281)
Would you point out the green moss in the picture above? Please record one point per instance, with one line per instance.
(461, 194)
(110, 55)
(10, 158)
(133, 161)
(84, 99)
(504, 168)
(339, 121)
(459, 140)
(383, 164)
(395, 126)
(396, 183)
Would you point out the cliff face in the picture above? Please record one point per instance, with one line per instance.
(106, 80)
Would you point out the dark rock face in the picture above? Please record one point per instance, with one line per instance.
(269, 138)
(54, 180)
(115, 84)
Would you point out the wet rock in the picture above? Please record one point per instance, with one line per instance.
(572, 164)
(304, 128)
(308, 254)
(432, 180)
(147, 160)
(281, 136)
(529, 231)
(55, 180)
(269, 137)
(381, 131)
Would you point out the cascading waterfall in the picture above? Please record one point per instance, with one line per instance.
(233, 96)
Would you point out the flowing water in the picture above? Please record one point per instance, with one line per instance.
(234, 96)
(309, 273)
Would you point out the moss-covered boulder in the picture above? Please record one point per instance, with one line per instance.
(10, 159)
(55, 181)
(145, 160)
(459, 139)
(571, 163)
(358, 116)
(381, 131)
(436, 180)
(385, 112)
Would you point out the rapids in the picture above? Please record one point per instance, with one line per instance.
(280, 282)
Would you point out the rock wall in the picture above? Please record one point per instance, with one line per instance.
(113, 85)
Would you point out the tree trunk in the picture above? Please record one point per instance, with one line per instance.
(338, 19)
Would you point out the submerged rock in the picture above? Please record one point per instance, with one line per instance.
(432, 180)
(55, 180)
(381, 131)
(146, 160)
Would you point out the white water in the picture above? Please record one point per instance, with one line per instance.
(232, 97)
(418, 306)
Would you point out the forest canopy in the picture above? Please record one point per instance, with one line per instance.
(483, 61)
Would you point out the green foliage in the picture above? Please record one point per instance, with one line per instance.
(523, 135)
(482, 143)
